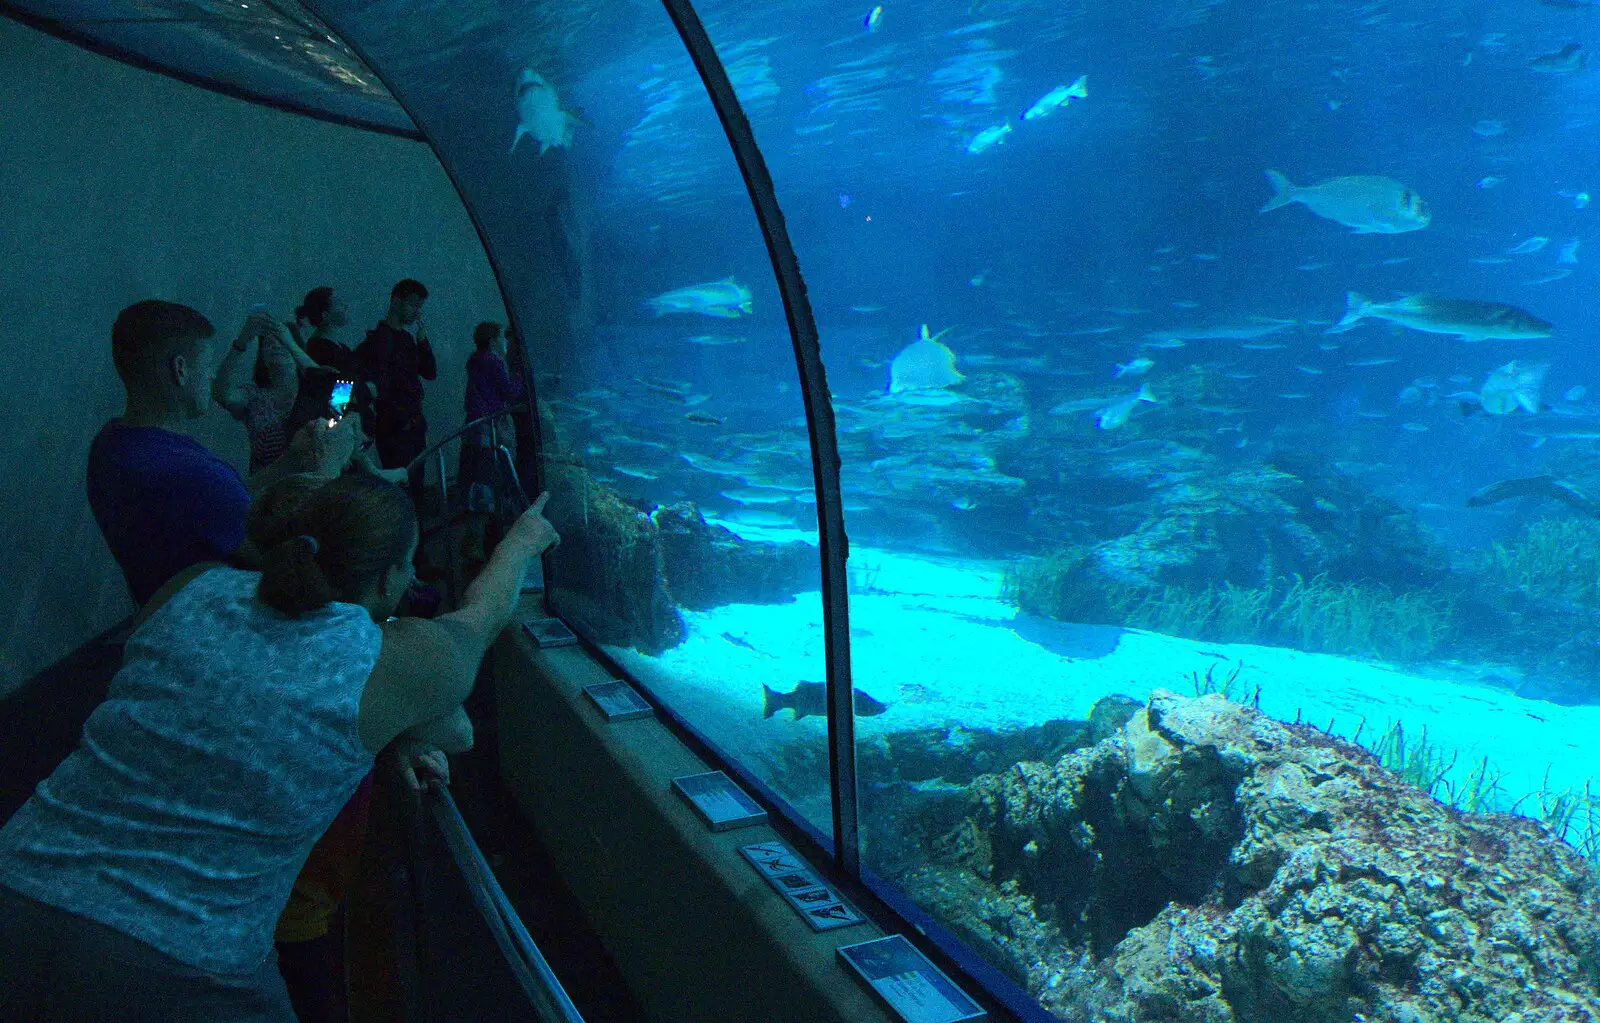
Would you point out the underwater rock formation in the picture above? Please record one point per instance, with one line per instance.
(607, 571)
(1210, 864)
(709, 566)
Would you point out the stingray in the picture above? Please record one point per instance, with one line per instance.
(1537, 486)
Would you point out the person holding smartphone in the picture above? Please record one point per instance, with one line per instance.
(143, 880)
(261, 397)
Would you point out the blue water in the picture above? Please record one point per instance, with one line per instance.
(1052, 256)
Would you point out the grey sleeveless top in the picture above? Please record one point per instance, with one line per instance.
(224, 750)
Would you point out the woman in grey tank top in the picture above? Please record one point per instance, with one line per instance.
(143, 879)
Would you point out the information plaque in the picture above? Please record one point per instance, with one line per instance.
(618, 701)
(716, 798)
(914, 988)
(817, 904)
(549, 632)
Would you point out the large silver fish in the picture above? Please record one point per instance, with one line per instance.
(1514, 385)
(1365, 203)
(726, 299)
(1468, 319)
(539, 113)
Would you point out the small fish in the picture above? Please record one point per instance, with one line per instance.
(1384, 361)
(636, 471)
(1185, 304)
(1409, 394)
(1562, 62)
(1489, 182)
(758, 495)
(713, 340)
(1294, 396)
(1533, 244)
(988, 137)
(1058, 97)
(1569, 252)
(703, 419)
(1133, 367)
(1489, 129)
(844, 201)
(1262, 346)
(1576, 393)
(873, 19)
(810, 699)
(963, 504)
(1114, 415)
(725, 299)
(1371, 414)
(1309, 370)
(1164, 342)
(1557, 274)
(1488, 260)
(977, 279)
(1414, 427)
(866, 308)
(1313, 266)
(1367, 204)
(1468, 319)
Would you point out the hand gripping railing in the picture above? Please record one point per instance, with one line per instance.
(538, 982)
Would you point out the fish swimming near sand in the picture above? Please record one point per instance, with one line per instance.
(1367, 204)
(1057, 98)
(539, 113)
(1468, 319)
(810, 699)
(924, 365)
(726, 299)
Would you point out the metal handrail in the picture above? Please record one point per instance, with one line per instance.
(434, 448)
(527, 963)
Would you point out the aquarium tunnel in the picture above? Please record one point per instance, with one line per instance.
(1116, 486)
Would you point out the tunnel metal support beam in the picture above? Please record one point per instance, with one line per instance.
(834, 544)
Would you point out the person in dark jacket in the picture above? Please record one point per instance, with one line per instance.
(397, 357)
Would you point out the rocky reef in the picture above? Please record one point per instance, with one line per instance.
(1207, 863)
(625, 573)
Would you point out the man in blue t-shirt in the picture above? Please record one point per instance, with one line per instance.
(162, 500)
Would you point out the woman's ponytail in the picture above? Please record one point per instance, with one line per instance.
(325, 542)
(291, 580)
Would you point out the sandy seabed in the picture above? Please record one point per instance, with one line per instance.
(931, 638)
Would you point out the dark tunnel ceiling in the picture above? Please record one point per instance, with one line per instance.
(272, 51)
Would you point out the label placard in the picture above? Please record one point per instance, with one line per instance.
(817, 904)
(716, 798)
(913, 987)
(549, 632)
(618, 701)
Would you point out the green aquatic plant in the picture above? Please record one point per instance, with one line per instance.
(1553, 558)
(1227, 687)
(863, 574)
(1414, 760)
(1571, 814)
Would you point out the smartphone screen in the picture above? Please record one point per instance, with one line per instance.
(341, 396)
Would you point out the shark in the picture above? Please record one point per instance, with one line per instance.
(726, 299)
(539, 113)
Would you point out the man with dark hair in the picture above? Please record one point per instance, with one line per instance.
(398, 362)
(162, 500)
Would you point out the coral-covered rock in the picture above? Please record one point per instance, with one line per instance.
(1208, 863)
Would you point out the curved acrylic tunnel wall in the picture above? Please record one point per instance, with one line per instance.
(661, 358)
